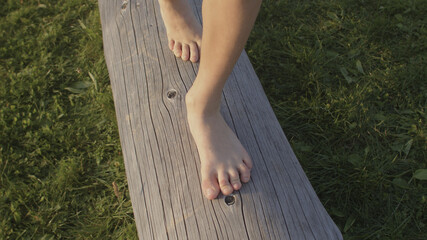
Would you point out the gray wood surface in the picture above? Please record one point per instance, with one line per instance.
(161, 158)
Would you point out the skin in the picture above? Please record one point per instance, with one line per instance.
(183, 30)
(225, 163)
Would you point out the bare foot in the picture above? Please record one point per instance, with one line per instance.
(183, 30)
(225, 163)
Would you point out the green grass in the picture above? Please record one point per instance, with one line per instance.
(347, 81)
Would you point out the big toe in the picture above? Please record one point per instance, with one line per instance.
(177, 49)
(171, 44)
(210, 187)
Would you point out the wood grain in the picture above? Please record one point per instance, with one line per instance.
(161, 158)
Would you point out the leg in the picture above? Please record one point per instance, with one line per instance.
(183, 30)
(224, 161)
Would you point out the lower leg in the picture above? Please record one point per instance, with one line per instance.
(224, 161)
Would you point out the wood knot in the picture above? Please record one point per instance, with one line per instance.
(124, 5)
(171, 93)
(230, 200)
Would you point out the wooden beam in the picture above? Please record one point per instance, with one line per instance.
(162, 163)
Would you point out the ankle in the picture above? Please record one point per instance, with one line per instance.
(199, 106)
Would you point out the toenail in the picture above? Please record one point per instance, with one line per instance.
(210, 192)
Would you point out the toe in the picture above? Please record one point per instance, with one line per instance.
(247, 160)
(234, 179)
(171, 44)
(210, 186)
(245, 173)
(177, 49)
(185, 52)
(194, 52)
(224, 183)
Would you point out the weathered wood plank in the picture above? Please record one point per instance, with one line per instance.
(161, 159)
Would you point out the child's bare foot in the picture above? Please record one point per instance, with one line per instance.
(225, 163)
(183, 30)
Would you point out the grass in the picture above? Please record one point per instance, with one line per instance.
(346, 79)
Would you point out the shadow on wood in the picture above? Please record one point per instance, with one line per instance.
(161, 159)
